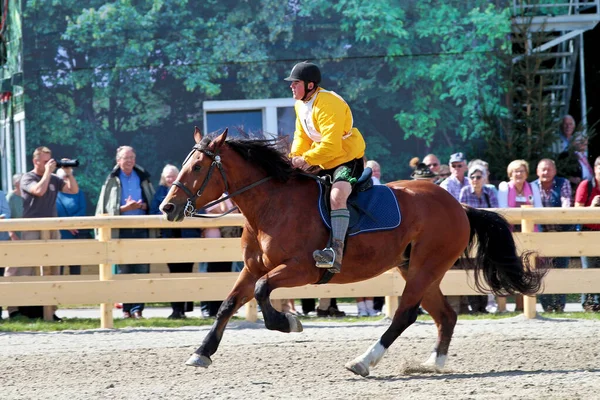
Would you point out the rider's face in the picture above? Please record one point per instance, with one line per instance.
(298, 91)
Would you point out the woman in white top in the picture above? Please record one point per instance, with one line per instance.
(515, 193)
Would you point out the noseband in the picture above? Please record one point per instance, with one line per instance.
(190, 209)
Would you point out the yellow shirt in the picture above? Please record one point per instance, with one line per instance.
(324, 134)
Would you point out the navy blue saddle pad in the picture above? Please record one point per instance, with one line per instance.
(375, 209)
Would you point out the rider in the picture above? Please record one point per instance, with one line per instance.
(324, 137)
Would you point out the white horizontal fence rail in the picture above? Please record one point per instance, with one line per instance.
(106, 289)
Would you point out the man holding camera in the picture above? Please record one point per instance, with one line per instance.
(39, 189)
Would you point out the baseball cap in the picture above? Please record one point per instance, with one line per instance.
(457, 157)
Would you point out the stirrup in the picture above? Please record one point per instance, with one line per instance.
(326, 258)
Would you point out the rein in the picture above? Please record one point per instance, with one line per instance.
(190, 209)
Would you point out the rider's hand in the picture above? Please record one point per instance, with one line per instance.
(299, 162)
(595, 201)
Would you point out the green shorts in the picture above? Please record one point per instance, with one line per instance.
(347, 172)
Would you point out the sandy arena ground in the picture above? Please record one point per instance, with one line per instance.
(506, 359)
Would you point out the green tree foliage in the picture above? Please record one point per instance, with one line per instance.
(106, 73)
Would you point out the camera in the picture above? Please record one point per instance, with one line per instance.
(67, 163)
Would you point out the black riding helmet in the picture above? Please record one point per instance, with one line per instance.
(307, 72)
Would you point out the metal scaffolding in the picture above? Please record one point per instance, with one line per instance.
(561, 25)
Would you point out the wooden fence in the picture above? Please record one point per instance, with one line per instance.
(106, 289)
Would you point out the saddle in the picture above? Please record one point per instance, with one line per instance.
(372, 208)
(363, 184)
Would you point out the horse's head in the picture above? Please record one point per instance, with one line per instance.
(200, 181)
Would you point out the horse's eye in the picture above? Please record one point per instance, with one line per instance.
(197, 168)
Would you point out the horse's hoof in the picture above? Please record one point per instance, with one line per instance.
(435, 361)
(430, 362)
(295, 324)
(197, 360)
(358, 368)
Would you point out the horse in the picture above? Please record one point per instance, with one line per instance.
(283, 227)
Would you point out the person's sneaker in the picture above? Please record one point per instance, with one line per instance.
(372, 313)
(322, 313)
(137, 315)
(361, 308)
(177, 315)
(126, 315)
(56, 318)
(330, 312)
(334, 312)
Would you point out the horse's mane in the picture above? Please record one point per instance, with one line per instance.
(267, 154)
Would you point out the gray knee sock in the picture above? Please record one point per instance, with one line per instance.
(339, 223)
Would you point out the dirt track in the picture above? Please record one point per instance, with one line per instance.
(506, 359)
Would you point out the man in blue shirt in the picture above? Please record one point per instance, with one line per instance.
(127, 191)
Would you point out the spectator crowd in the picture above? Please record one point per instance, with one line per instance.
(49, 191)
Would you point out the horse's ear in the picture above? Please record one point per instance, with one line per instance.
(197, 134)
(219, 140)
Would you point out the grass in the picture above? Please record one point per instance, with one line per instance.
(23, 324)
(27, 325)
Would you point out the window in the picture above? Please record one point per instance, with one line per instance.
(247, 121)
(264, 117)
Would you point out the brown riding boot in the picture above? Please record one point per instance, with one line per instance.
(330, 257)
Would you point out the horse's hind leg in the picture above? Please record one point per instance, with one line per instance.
(241, 293)
(445, 319)
(282, 276)
(424, 271)
(405, 316)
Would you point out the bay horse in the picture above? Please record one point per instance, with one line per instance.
(283, 228)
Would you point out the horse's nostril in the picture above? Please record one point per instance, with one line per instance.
(167, 208)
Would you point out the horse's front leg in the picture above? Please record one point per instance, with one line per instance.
(289, 274)
(241, 293)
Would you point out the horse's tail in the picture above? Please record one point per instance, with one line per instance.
(504, 271)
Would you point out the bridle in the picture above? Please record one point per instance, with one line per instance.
(190, 209)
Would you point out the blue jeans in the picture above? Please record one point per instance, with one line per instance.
(590, 299)
(555, 301)
(133, 268)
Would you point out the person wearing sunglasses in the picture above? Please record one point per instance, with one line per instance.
(457, 179)
(477, 194)
(432, 162)
(453, 185)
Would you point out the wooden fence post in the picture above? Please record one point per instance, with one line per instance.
(529, 302)
(391, 305)
(501, 301)
(48, 311)
(252, 311)
(106, 309)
